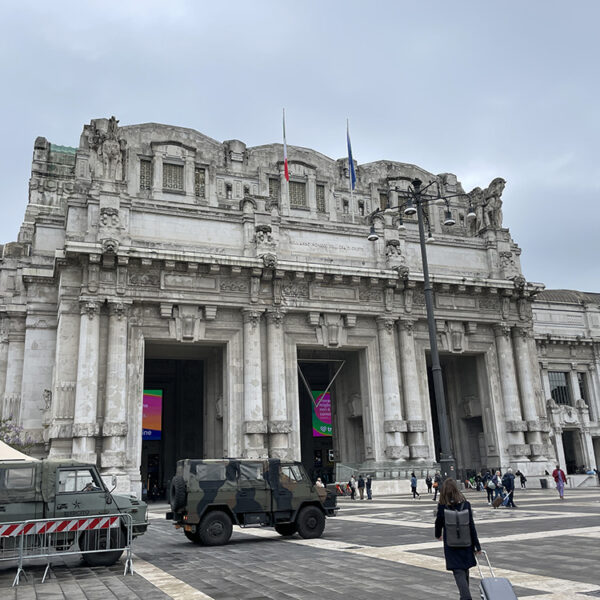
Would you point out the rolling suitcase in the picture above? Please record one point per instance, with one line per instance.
(494, 588)
(497, 501)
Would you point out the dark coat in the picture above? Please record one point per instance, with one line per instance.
(457, 558)
(368, 482)
(508, 481)
(361, 482)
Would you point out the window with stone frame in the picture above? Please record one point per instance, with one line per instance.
(200, 182)
(274, 188)
(581, 380)
(145, 174)
(321, 206)
(383, 200)
(297, 194)
(172, 177)
(559, 387)
(361, 208)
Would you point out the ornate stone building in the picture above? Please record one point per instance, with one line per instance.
(155, 258)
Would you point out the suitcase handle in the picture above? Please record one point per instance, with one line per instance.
(487, 558)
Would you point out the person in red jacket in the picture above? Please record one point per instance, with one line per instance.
(560, 478)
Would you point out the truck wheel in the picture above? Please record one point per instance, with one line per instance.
(286, 528)
(193, 537)
(177, 496)
(92, 540)
(215, 528)
(311, 522)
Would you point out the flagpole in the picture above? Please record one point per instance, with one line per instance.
(286, 171)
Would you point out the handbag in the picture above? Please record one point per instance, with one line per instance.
(491, 485)
(435, 484)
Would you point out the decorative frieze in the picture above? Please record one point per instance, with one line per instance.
(417, 425)
(397, 452)
(251, 427)
(278, 427)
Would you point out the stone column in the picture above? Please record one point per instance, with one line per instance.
(560, 450)
(157, 174)
(535, 426)
(515, 426)
(311, 193)
(279, 424)
(14, 367)
(413, 403)
(85, 425)
(254, 423)
(393, 423)
(114, 427)
(189, 176)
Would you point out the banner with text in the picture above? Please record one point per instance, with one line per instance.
(152, 415)
(321, 414)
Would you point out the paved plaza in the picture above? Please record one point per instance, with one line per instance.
(382, 549)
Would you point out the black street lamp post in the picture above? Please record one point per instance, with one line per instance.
(414, 204)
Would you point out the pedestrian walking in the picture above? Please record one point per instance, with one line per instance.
(522, 478)
(437, 481)
(361, 487)
(497, 481)
(352, 486)
(429, 483)
(508, 481)
(487, 479)
(561, 479)
(368, 484)
(413, 486)
(460, 539)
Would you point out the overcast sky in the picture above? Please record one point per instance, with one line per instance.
(479, 89)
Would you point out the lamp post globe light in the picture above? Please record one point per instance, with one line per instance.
(414, 199)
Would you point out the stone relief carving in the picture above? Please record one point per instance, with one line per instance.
(393, 254)
(489, 303)
(370, 295)
(355, 406)
(237, 284)
(269, 260)
(143, 279)
(219, 407)
(295, 289)
(492, 212)
(508, 265)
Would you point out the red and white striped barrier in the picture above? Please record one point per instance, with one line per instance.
(57, 526)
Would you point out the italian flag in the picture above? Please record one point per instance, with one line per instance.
(285, 159)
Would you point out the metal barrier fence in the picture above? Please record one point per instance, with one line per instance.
(100, 540)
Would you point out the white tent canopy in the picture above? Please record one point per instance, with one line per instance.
(8, 453)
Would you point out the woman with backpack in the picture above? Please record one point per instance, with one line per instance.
(454, 523)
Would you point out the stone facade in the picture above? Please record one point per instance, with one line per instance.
(150, 241)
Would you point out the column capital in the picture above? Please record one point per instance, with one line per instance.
(275, 317)
(90, 308)
(523, 333)
(502, 330)
(118, 308)
(407, 325)
(385, 324)
(251, 316)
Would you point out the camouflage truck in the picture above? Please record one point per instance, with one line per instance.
(208, 496)
(61, 489)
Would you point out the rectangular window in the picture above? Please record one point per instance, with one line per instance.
(200, 182)
(17, 478)
(78, 480)
(172, 177)
(297, 194)
(559, 387)
(582, 386)
(145, 174)
(383, 200)
(274, 186)
(321, 199)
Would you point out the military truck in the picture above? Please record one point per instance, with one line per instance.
(208, 496)
(61, 489)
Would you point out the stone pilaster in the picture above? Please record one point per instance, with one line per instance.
(114, 427)
(535, 425)
(393, 424)
(255, 426)
(515, 426)
(11, 404)
(279, 425)
(413, 405)
(85, 425)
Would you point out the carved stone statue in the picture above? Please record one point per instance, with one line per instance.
(492, 210)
